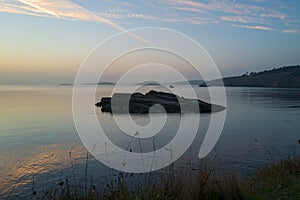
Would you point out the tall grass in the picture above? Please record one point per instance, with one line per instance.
(279, 181)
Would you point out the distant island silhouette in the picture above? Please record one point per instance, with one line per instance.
(149, 83)
(100, 83)
(187, 82)
(283, 77)
(66, 84)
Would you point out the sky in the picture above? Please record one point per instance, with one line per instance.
(45, 41)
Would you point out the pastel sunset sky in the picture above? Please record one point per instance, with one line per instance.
(45, 41)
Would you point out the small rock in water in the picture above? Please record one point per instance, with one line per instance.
(298, 141)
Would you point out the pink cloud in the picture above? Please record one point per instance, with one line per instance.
(168, 11)
(265, 28)
(63, 9)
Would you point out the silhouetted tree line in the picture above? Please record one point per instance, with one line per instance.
(295, 69)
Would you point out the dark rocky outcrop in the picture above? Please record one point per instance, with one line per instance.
(141, 104)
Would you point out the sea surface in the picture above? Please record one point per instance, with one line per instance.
(40, 146)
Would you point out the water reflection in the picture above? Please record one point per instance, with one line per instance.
(25, 170)
(37, 133)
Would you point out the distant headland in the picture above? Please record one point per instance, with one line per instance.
(282, 77)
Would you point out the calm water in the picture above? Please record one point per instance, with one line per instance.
(37, 133)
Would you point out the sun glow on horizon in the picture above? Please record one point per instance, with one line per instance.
(52, 38)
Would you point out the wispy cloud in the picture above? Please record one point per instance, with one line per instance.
(264, 28)
(243, 19)
(189, 9)
(218, 6)
(62, 9)
(252, 14)
(51, 8)
(274, 15)
(291, 31)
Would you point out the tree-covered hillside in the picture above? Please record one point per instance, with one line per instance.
(286, 76)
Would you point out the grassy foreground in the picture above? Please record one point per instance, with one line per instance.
(278, 181)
